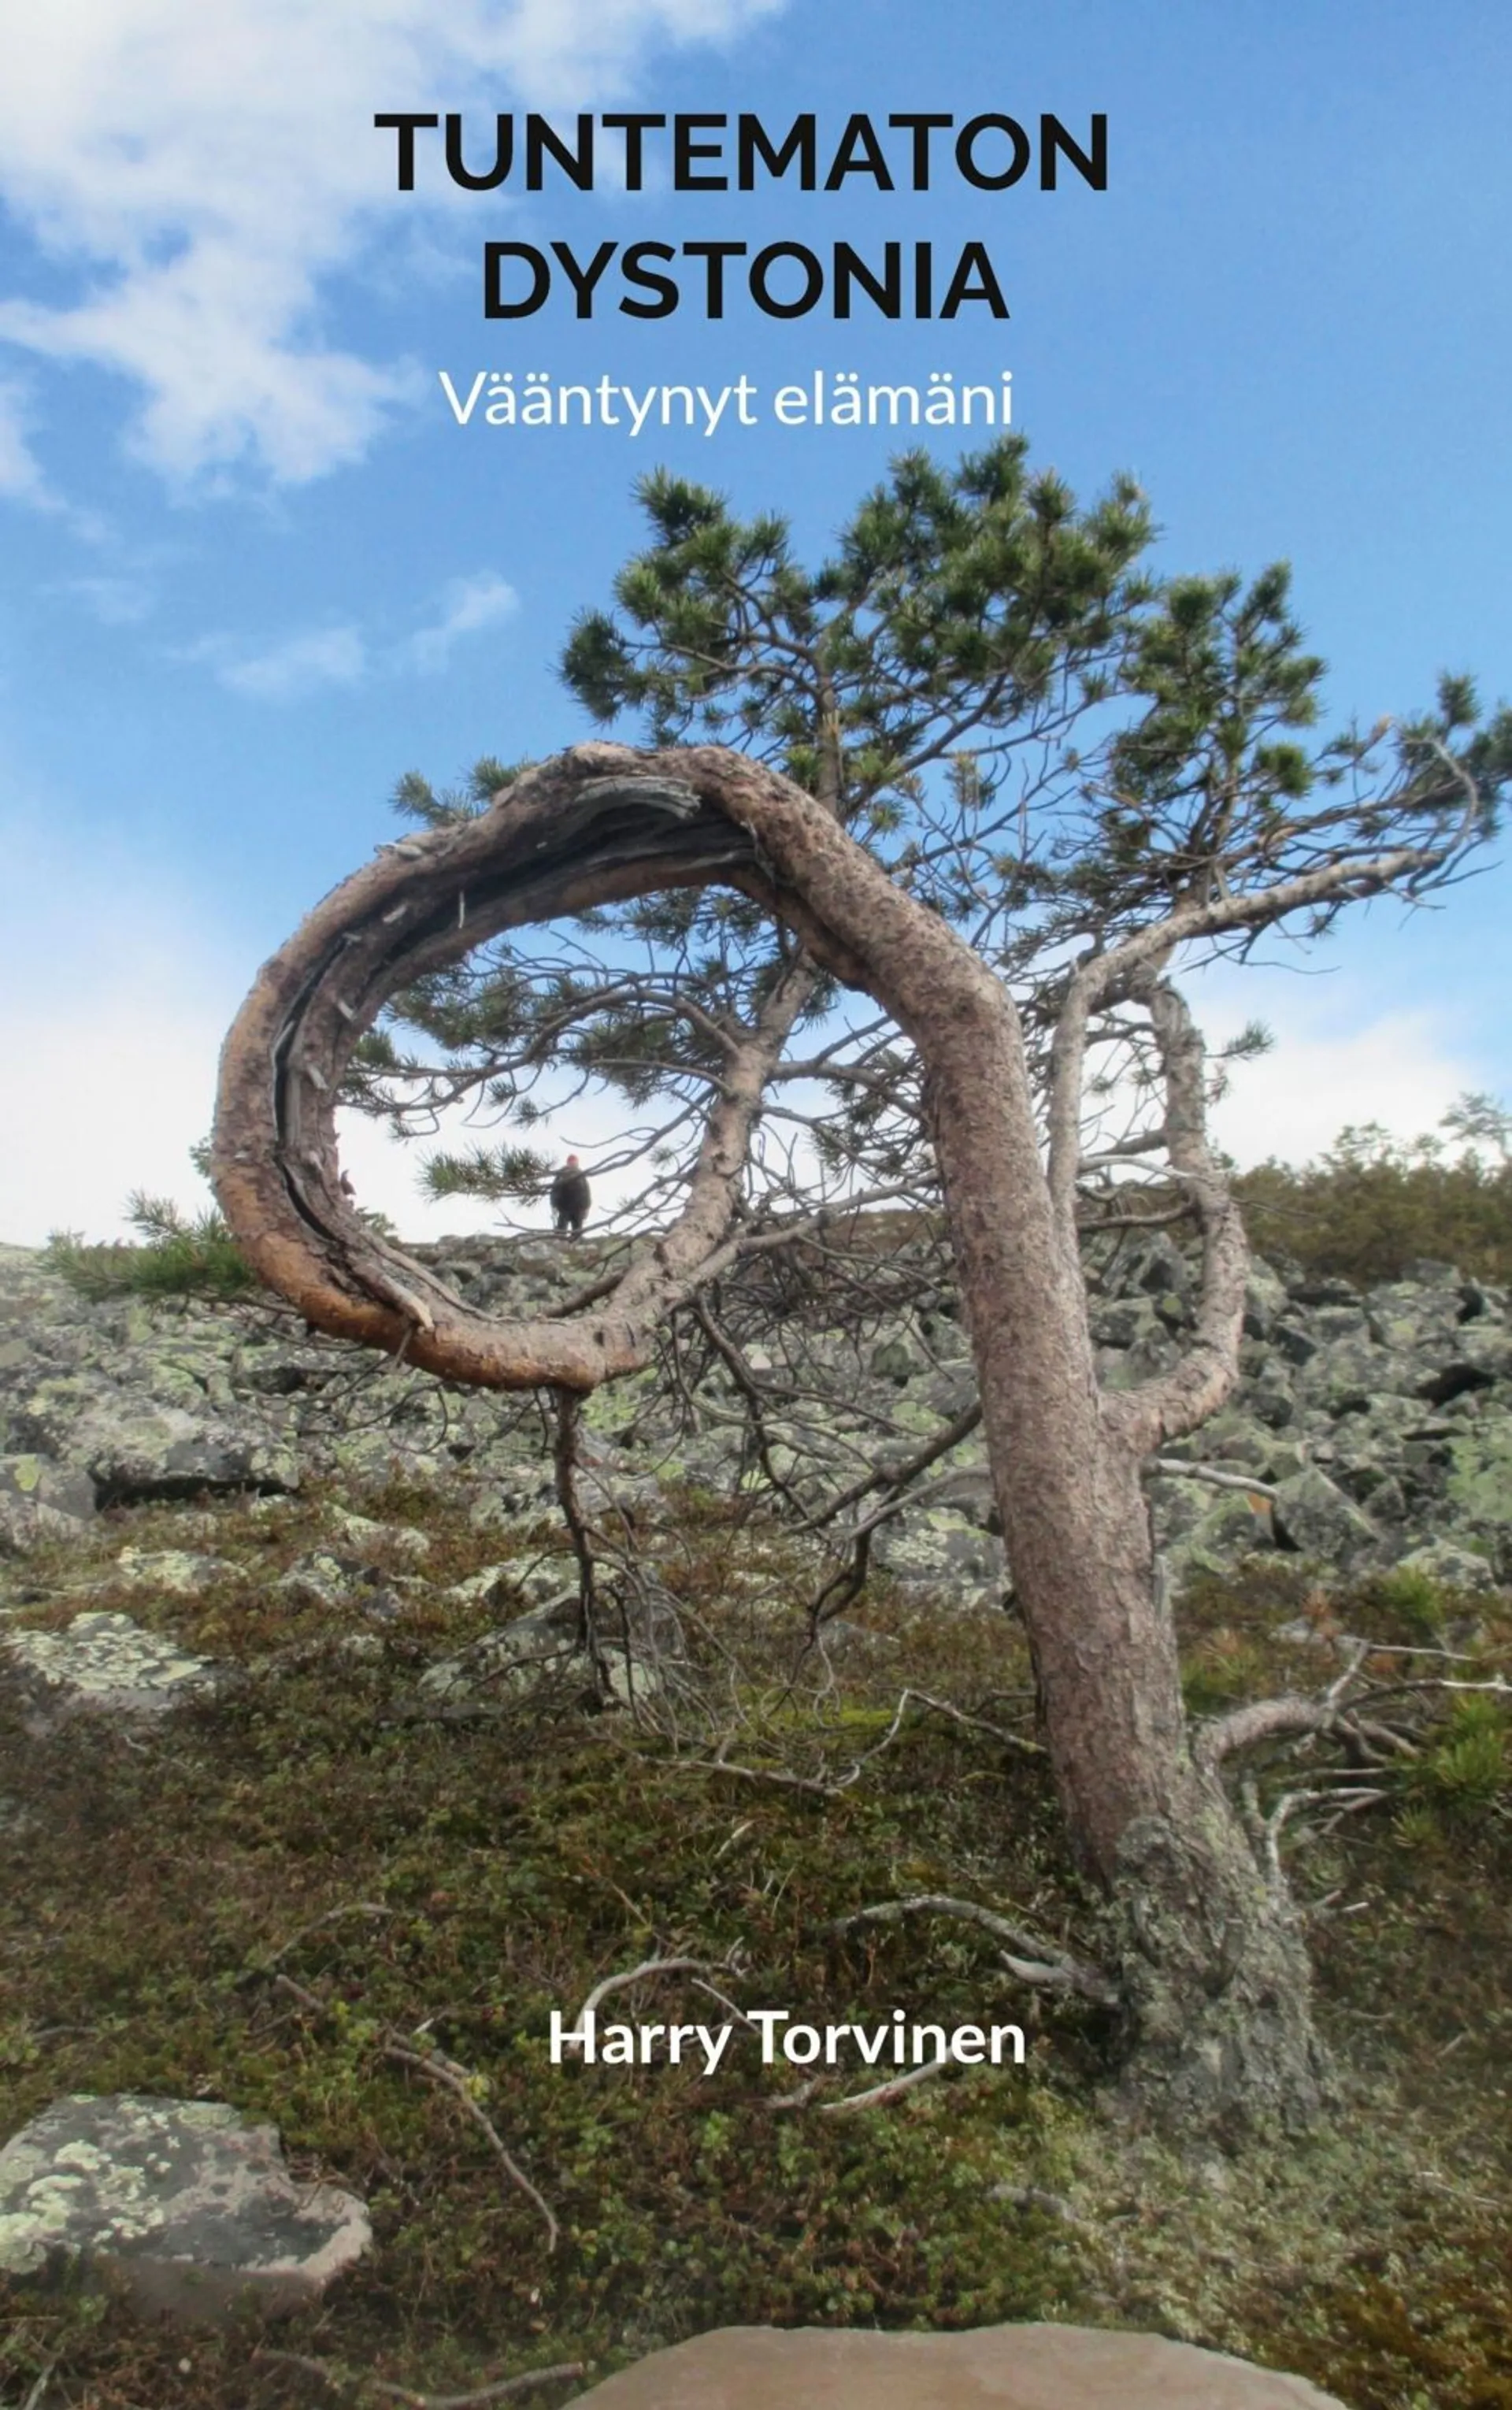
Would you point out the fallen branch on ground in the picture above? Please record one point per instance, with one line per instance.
(453, 2079)
(1047, 1968)
(730, 1966)
(879, 2095)
(1214, 1474)
(505, 2390)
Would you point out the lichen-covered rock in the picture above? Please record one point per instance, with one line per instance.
(105, 1663)
(894, 1360)
(193, 2210)
(40, 1482)
(544, 1646)
(1234, 1526)
(946, 1549)
(1452, 1568)
(1313, 1516)
(992, 2368)
(1398, 1401)
(42, 1500)
(362, 1533)
(1479, 1488)
(543, 1641)
(181, 1572)
(134, 1447)
(26, 1524)
(322, 1578)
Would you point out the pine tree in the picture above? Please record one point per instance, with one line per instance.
(894, 905)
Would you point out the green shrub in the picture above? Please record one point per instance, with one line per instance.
(1415, 1596)
(1467, 1773)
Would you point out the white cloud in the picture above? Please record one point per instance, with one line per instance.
(115, 992)
(110, 1007)
(117, 987)
(1337, 1059)
(21, 472)
(297, 666)
(469, 605)
(341, 655)
(198, 174)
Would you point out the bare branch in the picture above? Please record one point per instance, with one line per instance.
(1048, 1968)
(1262, 1719)
(879, 2095)
(455, 2080)
(1175, 1469)
(505, 2389)
(648, 1967)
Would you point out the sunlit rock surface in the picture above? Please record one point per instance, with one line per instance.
(996, 2368)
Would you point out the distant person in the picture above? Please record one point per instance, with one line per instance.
(571, 1197)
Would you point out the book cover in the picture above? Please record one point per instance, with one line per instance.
(603, 1789)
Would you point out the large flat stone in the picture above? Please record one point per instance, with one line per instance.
(992, 2368)
(106, 1664)
(189, 2209)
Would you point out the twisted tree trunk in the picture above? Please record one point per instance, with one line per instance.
(1213, 1975)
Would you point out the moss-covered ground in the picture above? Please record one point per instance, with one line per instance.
(447, 1879)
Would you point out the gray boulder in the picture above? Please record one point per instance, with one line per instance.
(1313, 1516)
(41, 1500)
(42, 1483)
(26, 1524)
(180, 1571)
(542, 1647)
(943, 1547)
(132, 1447)
(1479, 1487)
(192, 2210)
(1229, 1529)
(1452, 1568)
(105, 1664)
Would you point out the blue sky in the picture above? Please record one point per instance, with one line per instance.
(252, 570)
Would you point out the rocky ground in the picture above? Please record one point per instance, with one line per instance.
(298, 1791)
(1366, 1426)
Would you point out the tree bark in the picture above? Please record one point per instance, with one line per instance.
(1213, 1974)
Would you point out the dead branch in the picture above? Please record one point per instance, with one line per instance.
(837, 1784)
(504, 2390)
(727, 1965)
(455, 2080)
(1261, 1720)
(977, 1723)
(784, 1781)
(896, 1476)
(568, 1407)
(734, 1361)
(1047, 1968)
(332, 1916)
(879, 2096)
(1212, 1474)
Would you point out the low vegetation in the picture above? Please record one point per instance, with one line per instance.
(250, 1903)
(1372, 1205)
